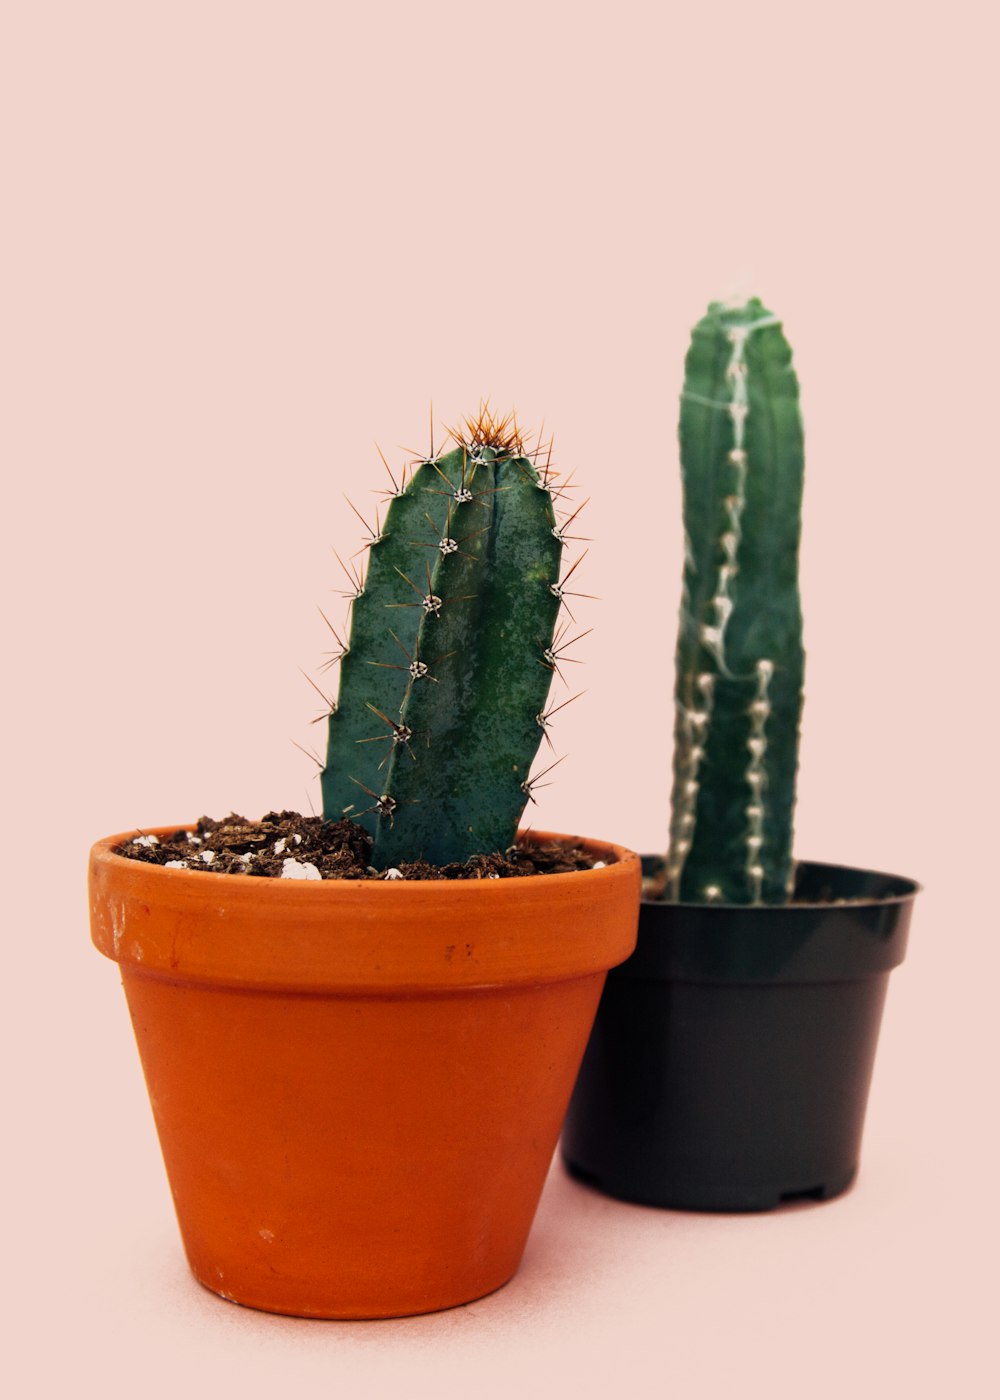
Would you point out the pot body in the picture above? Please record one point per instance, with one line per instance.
(358, 1086)
(732, 1054)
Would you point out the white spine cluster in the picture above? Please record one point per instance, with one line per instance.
(713, 634)
(694, 723)
(756, 776)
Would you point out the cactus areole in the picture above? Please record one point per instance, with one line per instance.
(444, 678)
(740, 662)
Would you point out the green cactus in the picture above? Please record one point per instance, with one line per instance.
(451, 654)
(740, 661)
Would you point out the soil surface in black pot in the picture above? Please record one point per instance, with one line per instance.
(289, 846)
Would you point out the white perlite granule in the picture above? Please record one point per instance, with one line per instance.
(299, 870)
(144, 841)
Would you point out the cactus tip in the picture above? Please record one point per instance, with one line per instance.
(502, 435)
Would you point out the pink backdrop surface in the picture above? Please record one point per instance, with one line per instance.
(243, 241)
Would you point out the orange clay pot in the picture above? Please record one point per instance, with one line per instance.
(358, 1086)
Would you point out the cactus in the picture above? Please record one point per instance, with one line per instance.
(451, 654)
(740, 662)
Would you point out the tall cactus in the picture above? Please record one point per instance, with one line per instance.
(740, 661)
(444, 680)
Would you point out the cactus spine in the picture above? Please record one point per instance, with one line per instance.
(444, 680)
(740, 661)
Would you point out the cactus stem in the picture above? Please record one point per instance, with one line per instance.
(476, 788)
(739, 653)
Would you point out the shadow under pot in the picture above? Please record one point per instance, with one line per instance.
(732, 1054)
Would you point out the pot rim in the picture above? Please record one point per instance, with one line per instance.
(365, 936)
(906, 888)
(850, 935)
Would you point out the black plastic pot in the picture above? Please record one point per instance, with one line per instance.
(732, 1054)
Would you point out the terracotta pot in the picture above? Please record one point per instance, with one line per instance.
(358, 1086)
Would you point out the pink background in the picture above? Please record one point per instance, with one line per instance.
(245, 240)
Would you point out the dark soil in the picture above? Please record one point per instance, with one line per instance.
(290, 846)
